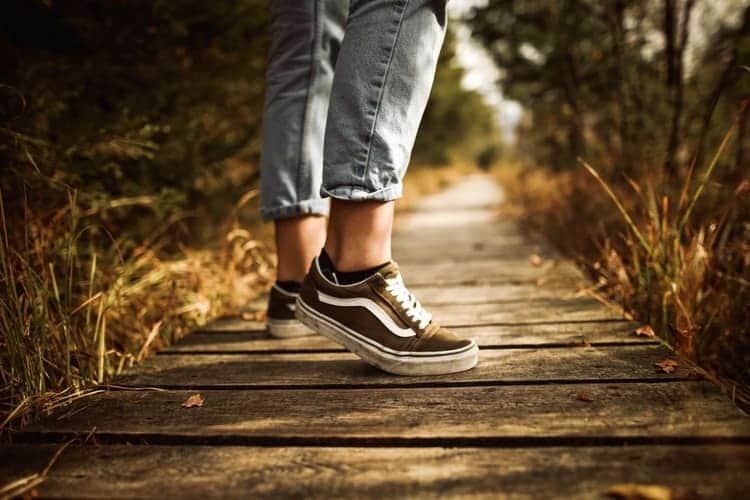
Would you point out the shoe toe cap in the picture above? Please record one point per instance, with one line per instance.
(446, 340)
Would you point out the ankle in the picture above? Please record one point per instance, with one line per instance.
(334, 274)
(298, 241)
(359, 234)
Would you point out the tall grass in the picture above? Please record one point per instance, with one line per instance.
(673, 254)
(77, 309)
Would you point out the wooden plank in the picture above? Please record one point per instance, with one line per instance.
(529, 311)
(542, 310)
(459, 241)
(497, 231)
(476, 251)
(489, 271)
(232, 324)
(508, 366)
(311, 472)
(513, 294)
(544, 335)
(499, 416)
(431, 295)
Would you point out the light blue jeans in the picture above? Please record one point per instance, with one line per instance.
(347, 85)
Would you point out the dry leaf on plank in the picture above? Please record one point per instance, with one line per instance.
(667, 365)
(644, 331)
(585, 397)
(193, 400)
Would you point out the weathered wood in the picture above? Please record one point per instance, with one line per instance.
(497, 250)
(309, 472)
(496, 234)
(436, 416)
(232, 324)
(432, 296)
(470, 310)
(490, 271)
(528, 311)
(540, 335)
(521, 424)
(343, 369)
(496, 239)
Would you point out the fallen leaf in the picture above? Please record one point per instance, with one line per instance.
(193, 400)
(535, 260)
(585, 396)
(634, 491)
(644, 331)
(254, 315)
(667, 365)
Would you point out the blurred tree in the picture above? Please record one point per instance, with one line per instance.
(159, 104)
(607, 80)
(457, 125)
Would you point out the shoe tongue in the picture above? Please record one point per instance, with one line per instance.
(389, 271)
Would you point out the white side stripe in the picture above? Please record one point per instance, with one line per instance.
(371, 306)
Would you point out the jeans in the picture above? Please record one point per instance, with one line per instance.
(347, 85)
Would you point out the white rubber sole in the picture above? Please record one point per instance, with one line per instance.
(287, 328)
(388, 360)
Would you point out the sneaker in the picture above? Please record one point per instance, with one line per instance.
(379, 320)
(280, 320)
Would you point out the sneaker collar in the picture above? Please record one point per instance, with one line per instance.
(388, 271)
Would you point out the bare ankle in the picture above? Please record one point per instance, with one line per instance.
(298, 241)
(359, 234)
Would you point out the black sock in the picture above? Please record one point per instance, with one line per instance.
(289, 286)
(326, 265)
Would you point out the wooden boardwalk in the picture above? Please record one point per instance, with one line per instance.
(566, 400)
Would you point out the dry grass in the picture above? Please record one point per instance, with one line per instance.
(73, 313)
(673, 254)
(76, 311)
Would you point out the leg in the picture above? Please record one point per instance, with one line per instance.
(305, 38)
(359, 234)
(298, 241)
(383, 79)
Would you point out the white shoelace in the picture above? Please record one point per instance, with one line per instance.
(411, 305)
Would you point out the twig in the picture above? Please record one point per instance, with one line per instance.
(24, 484)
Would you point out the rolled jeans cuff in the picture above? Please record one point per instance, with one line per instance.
(314, 206)
(358, 193)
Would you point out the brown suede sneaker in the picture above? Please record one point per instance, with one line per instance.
(280, 320)
(380, 320)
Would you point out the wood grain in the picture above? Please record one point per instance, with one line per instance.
(506, 366)
(539, 335)
(529, 311)
(565, 402)
(310, 472)
(491, 271)
(435, 416)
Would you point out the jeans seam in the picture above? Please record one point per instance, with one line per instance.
(381, 91)
(305, 112)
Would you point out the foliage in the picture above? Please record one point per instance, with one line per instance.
(619, 85)
(602, 80)
(457, 125)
